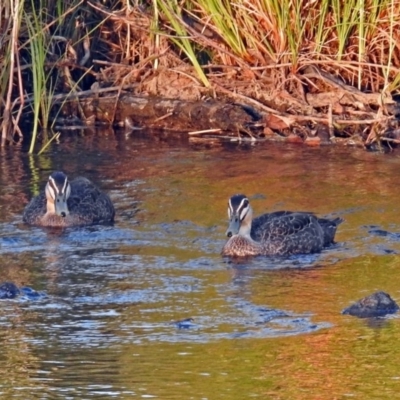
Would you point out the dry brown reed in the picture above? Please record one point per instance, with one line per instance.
(258, 49)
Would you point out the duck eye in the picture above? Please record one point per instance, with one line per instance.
(246, 203)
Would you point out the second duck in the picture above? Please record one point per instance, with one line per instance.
(277, 233)
(64, 203)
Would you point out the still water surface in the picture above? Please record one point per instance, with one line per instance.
(261, 328)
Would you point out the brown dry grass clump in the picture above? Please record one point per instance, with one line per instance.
(305, 66)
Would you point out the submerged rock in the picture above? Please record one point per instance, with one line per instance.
(375, 305)
(9, 290)
(184, 323)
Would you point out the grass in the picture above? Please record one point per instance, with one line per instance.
(181, 38)
(42, 92)
(9, 61)
(356, 40)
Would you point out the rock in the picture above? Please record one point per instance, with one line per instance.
(184, 323)
(9, 290)
(375, 305)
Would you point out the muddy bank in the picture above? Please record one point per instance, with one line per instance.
(340, 115)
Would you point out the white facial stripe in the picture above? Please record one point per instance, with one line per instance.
(243, 208)
(65, 186)
(52, 188)
(230, 208)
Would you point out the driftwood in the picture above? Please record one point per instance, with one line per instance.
(342, 94)
(208, 117)
(178, 115)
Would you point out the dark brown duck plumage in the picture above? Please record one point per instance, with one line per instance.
(65, 203)
(277, 233)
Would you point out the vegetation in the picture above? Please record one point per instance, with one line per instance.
(277, 56)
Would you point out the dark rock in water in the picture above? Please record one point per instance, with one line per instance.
(31, 293)
(375, 305)
(379, 232)
(9, 290)
(184, 323)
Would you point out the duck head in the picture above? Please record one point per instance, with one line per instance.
(240, 215)
(58, 189)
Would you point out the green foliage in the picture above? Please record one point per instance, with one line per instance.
(225, 17)
(38, 51)
(181, 39)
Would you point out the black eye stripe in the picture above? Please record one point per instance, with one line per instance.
(243, 209)
(53, 187)
(238, 205)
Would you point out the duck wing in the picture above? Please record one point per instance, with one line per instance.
(35, 209)
(89, 202)
(279, 222)
(286, 232)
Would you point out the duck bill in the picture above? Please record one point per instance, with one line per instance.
(234, 226)
(61, 206)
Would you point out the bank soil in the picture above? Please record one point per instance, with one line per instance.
(242, 107)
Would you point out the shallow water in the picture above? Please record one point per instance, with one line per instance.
(268, 328)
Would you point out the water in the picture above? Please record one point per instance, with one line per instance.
(109, 326)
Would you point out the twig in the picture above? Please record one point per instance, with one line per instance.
(390, 140)
(303, 118)
(86, 48)
(163, 117)
(67, 96)
(194, 133)
(21, 97)
(246, 99)
(13, 47)
(330, 124)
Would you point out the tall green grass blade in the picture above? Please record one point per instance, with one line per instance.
(182, 39)
(54, 137)
(155, 27)
(38, 56)
(322, 31)
(224, 16)
(44, 79)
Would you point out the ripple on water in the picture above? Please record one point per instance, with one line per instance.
(102, 282)
(118, 296)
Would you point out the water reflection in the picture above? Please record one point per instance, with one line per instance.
(255, 327)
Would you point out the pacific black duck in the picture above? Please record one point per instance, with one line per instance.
(277, 233)
(64, 203)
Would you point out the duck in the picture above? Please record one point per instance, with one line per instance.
(278, 233)
(66, 204)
